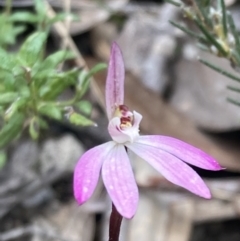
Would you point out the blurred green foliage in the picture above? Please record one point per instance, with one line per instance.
(30, 83)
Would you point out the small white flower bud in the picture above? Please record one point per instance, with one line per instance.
(214, 50)
(231, 39)
(215, 13)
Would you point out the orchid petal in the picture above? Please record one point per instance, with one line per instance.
(182, 150)
(129, 134)
(119, 181)
(87, 171)
(172, 168)
(115, 81)
(137, 119)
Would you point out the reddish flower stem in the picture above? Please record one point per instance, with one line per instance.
(114, 225)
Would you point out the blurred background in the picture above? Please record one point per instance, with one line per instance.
(177, 96)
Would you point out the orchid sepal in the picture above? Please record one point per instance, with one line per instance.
(114, 91)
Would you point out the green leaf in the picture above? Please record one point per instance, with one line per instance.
(8, 38)
(8, 97)
(58, 83)
(20, 82)
(203, 47)
(205, 3)
(7, 78)
(40, 78)
(1, 111)
(86, 76)
(233, 89)
(84, 106)
(53, 60)
(34, 128)
(50, 110)
(23, 16)
(15, 107)
(81, 120)
(31, 50)
(235, 102)
(220, 70)
(2, 88)
(8, 61)
(235, 59)
(18, 70)
(40, 8)
(188, 31)
(24, 91)
(42, 123)
(11, 129)
(205, 18)
(18, 30)
(3, 159)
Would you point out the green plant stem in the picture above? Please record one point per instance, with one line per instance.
(210, 37)
(224, 18)
(234, 30)
(219, 70)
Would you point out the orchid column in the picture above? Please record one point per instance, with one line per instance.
(166, 154)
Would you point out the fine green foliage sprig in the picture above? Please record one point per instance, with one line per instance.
(216, 29)
(215, 32)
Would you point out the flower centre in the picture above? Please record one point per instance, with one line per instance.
(126, 116)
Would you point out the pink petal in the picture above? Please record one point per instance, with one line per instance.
(182, 150)
(115, 80)
(87, 171)
(119, 181)
(129, 134)
(172, 168)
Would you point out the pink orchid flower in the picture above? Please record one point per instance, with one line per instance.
(166, 154)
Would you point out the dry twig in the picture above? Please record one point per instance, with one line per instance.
(80, 62)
